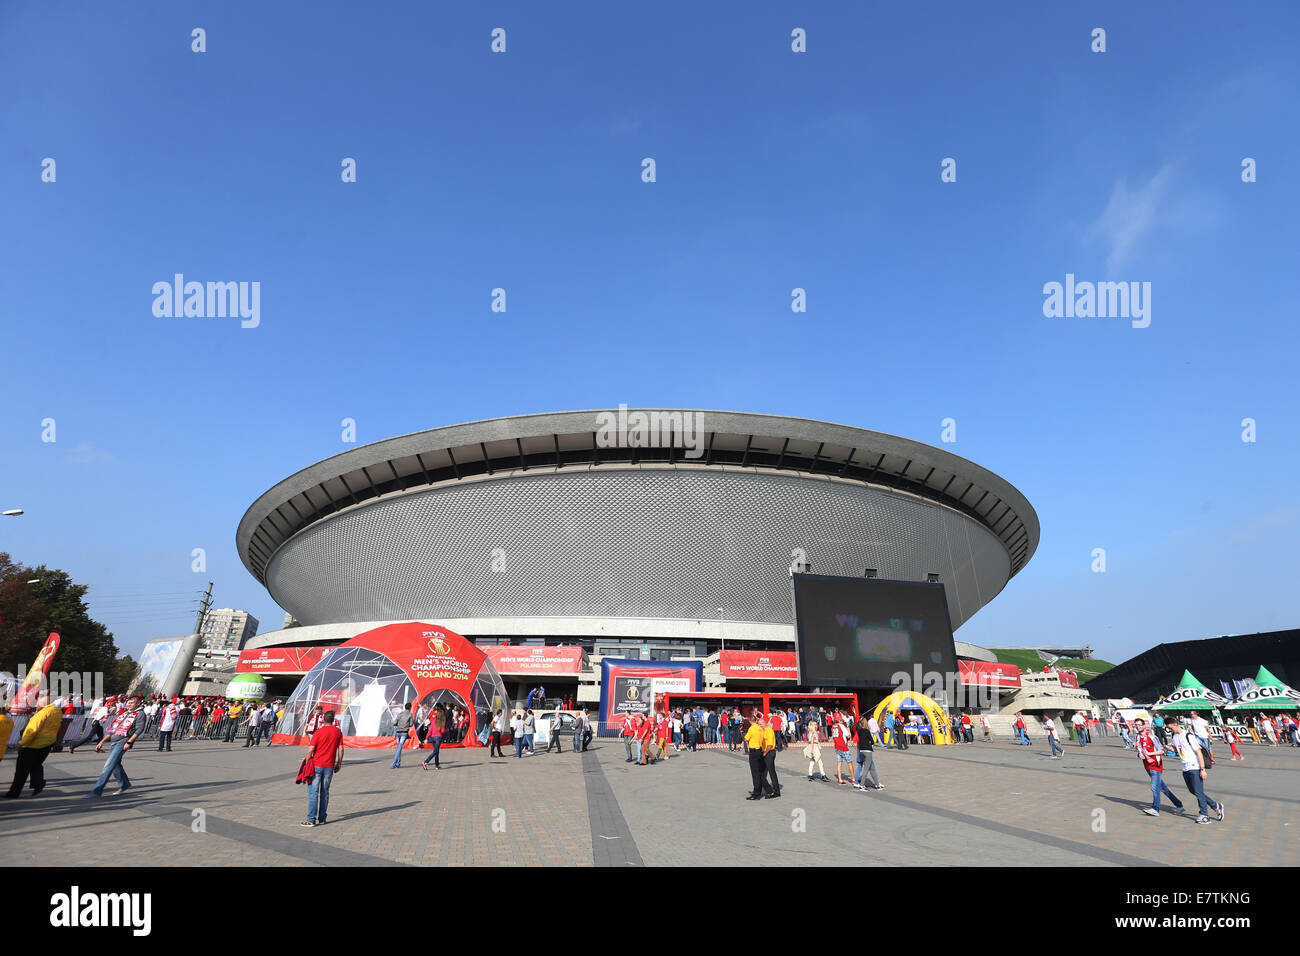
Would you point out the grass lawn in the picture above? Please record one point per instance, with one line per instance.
(1029, 660)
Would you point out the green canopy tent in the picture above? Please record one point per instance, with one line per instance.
(1191, 694)
(1269, 693)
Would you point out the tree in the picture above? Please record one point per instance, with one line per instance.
(29, 612)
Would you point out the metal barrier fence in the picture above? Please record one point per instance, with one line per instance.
(81, 732)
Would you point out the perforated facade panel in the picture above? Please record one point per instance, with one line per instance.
(646, 542)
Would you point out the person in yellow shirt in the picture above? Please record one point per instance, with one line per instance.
(755, 741)
(6, 730)
(34, 746)
(772, 785)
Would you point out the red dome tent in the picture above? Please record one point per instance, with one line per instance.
(367, 680)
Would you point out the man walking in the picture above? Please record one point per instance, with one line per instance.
(1122, 726)
(326, 754)
(530, 731)
(402, 725)
(553, 733)
(757, 765)
(253, 720)
(1049, 727)
(232, 722)
(517, 733)
(1152, 754)
(629, 738)
(1201, 728)
(168, 726)
(1192, 756)
(498, 728)
(772, 786)
(34, 746)
(1080, 732)
(579, 722)
(777, 723)
(267, 723)
(1022, 731)
(121, 737)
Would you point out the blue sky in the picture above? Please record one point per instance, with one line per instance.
(775, 170)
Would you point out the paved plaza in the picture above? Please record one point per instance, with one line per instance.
(209, 803)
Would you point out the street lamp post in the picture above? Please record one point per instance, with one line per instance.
(722, 633)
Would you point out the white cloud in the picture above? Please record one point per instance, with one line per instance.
(1130, 216)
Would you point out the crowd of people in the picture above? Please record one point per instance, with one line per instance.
(114, 725)
(117, 724)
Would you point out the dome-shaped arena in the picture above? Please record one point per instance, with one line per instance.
(632, 524)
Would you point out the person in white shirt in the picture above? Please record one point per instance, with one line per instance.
(168, 726)
(517, 734)
(1049, 727)
(1080, 728)
(98, 715)
(553, 733)
(254, 717)
(984, 725)
(498, 728)
(1201, 728)
(1190, 753)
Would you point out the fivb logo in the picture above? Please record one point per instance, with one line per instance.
(77, 909)
(652, 429)
(1104, 300)
(215, 300)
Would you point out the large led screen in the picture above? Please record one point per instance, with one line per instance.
(860, 632)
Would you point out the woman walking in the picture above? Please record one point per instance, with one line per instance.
(437, 724)
(813, 752)
(1231, 737)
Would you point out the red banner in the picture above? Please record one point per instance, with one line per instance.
(279, 660)
(535, 660)
(1068, 679)
(988, 674)
(769, 665)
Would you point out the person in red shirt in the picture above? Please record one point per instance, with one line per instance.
(841, 735)
(777, 723)
(1152, 754)
(214, 725)
(326, 754)
(629, 738)
(645, 733)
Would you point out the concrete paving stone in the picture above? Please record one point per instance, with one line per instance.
(983, 804)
